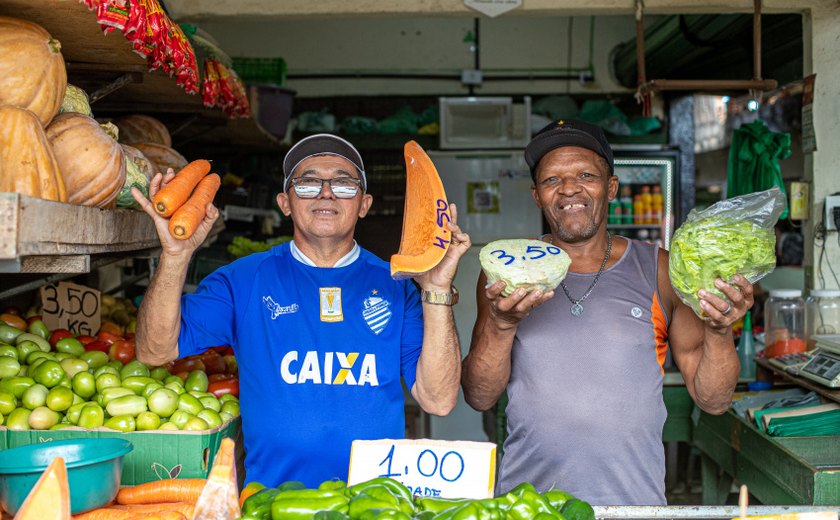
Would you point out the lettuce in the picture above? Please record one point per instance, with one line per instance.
(526, 263)
(718, 247)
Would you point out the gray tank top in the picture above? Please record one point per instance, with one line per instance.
(585, 410)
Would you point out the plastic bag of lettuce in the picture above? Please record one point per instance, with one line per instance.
(733, 236)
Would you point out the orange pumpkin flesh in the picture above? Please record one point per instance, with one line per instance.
(27, 163)
(91, 162)
(425, 235)
(49, 498)
(32, 72)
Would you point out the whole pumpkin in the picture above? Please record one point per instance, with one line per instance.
(27, 162)
(32, 73)
(163, 156)
(138, 128)
(145, 164)
(91, 162)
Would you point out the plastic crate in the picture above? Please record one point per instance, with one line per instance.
(261, 70)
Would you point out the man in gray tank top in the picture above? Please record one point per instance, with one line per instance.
(583, 368)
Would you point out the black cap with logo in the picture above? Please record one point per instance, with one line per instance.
(567, 132)
(322, 144)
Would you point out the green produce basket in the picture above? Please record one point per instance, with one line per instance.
(261, 70)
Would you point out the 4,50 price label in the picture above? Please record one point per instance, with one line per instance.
(449, 469)
(70, 306)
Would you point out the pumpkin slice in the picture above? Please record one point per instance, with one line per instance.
(49, 498)
(219, 499)
(425, 236)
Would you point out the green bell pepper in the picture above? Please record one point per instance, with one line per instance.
(557, 497)
(258, 505)
(300, 504)
(383, 514)
(436, 504)
(334, 485)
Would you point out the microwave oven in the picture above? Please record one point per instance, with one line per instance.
(484, 122)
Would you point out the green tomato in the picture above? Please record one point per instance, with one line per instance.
(211, 403)
(159, 373)
(24, 370)
(49, 373)
(189, 404)
(65, 382)
(132, 405)
(117, 364)
(60, 426)
(106, 369)
(42, 418)
(173, 379)
(134, 368)
(16, 385)
(231, 408)
(163, 402)
(38, 328)
(34, 397)
(9, 367)
(107, 380)
(178, 388)
(70, 346)
(74, 412)
(8, 402)
(91, 416)
(149, 389)
(60, 399)
(196, 381)
(77, 399)
(195, 424)
(225, 416)
(25, 348)
(8, 334)
(180, 418)
(73, 366)
(199, 395)
(94, 358)
(84, 384)
(8, 351)
(18, 419)
(123, 423)
(147, 421)
(136, 383)
(228, 397)
(37, 354)
(115, 392)
(169, 426)
(42, 343)
(211, 417)
(61, 356)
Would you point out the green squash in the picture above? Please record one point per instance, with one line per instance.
(134, 177)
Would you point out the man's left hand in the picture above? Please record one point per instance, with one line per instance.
(722, 312)
(441, 276)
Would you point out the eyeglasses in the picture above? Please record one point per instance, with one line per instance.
(310, 187)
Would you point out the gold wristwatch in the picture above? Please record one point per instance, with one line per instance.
(440, 298)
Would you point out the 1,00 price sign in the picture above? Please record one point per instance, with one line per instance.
(70, 306)
(450, 469)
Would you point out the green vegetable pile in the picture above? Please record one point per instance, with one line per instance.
(718, 247)
(241, 246)
(385, 498)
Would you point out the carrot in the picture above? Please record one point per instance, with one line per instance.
(185, 508)
(176, 193)
(186, 219)
(104, 513)
(161, 491)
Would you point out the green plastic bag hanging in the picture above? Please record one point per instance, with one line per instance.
(754, 160)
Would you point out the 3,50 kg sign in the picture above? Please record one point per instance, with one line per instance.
(70, 306)
(449, 469)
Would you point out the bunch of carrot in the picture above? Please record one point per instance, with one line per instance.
(184, 199)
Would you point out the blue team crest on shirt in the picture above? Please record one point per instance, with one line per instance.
(376, 312)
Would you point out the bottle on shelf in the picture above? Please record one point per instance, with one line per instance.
(746, 350)
(638, 210)
(626, 201)
(614, 215)
(656, 202)
(647, 209)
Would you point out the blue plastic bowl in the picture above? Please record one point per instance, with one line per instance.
(94, 468)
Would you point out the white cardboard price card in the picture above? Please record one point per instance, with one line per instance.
(449, 469)
(70, 306)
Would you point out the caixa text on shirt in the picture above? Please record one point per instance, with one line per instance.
(330, 368)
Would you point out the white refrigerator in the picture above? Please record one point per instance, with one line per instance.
(492, 190)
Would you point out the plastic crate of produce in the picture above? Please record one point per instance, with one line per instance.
(261, 70)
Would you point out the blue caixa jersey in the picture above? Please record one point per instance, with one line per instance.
(320, 354)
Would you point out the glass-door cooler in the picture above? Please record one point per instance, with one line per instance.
(647, 206)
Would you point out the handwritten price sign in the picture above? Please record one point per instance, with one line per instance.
(449, 469)
(70, 306)
(531, 253)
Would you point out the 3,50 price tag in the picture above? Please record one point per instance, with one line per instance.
(70, 306)
(449, 469)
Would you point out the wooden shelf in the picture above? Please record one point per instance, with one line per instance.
(95, 60)
(42, 236)
(828, 393)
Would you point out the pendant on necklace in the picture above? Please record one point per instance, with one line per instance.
(577, 309)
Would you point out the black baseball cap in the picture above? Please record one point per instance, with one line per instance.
(322, 144)
(567, 132)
